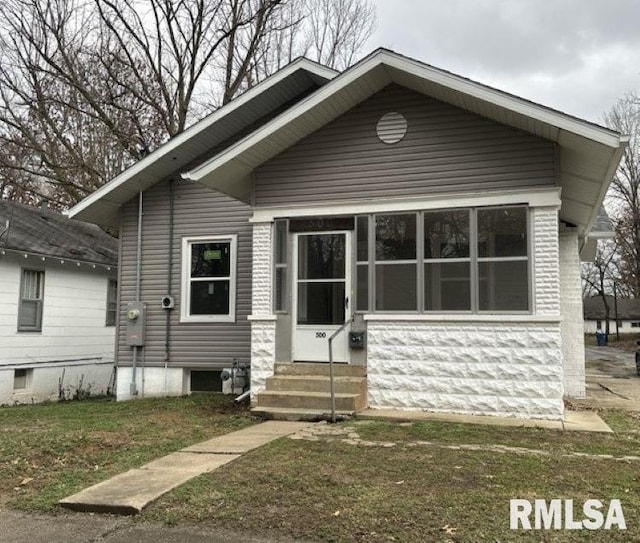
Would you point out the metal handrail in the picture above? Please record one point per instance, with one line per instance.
(331, 384)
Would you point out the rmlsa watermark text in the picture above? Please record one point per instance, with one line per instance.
(561, 514)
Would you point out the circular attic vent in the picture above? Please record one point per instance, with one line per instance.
(391, 127)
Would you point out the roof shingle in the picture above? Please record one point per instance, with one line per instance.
(44, 232)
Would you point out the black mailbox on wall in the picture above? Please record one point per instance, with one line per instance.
(356, 340)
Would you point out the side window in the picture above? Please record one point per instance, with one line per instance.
(31, 300)
(208, 279)
(396, 262)
(447, 261)
(112, 302)
(503, 267)
(280, 265)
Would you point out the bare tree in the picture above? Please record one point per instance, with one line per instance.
(89, 86)
(599, 278)
(625, 192)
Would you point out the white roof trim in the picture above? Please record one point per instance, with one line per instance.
(383, 57)
(540, 197)
(195, 129)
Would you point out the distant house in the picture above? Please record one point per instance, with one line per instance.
(58, 305)
(628, 315)
(434, 224)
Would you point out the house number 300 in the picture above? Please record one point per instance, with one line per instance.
(321, 334)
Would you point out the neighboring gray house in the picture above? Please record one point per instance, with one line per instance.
(628, 315)
(58, 284)
(441, 219)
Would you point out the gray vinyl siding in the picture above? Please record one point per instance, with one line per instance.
(446, 149)
(198, 211)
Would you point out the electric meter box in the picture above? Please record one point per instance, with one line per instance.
(136, 317)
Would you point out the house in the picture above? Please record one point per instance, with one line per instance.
(628, 315)
(58, 284)
(437, 220)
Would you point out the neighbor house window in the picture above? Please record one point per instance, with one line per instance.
(471, 260)
(112, 302)
(280, 265)
(635, 325)
(208, 279)
(31, 298)
(396, 262)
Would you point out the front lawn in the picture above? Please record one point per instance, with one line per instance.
(50, 451)
(354, 481)
(415, 482)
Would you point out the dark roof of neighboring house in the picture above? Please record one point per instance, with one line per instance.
(602, 224)
(628, 308)
(43, 232)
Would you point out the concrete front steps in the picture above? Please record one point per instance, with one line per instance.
(301, 391)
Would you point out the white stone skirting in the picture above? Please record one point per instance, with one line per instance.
(503, 369)
(263, 353)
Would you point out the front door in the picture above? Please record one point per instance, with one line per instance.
(322, 295)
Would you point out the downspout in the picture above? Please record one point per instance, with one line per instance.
(133, 389)
(167, 338)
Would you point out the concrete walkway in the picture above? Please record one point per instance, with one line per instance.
(129, 493)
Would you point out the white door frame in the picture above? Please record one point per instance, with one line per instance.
(309, 342)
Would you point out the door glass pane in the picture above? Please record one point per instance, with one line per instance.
(209, 298)
(503, 286)
(502, 232)
(447, 286)
(321, 303)
(396, 287)
(321, 256)
(211, 259)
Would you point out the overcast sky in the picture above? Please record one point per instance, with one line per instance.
(578, 56)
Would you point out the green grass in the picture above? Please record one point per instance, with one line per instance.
(324, 490)
(50, 451)
(329, 490)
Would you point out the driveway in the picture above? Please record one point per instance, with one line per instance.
(612, 381)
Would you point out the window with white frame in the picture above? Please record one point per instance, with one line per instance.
(112, 302)
(31, 300)
(473, 260)
(208, 279)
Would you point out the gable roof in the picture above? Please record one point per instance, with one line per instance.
(216, 131)
(42, 232)
(589, 153)
(628, 308)
(589, 158)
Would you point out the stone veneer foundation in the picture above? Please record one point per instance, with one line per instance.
(497, 368)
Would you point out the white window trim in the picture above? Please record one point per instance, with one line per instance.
(185, 301)
(38, 328)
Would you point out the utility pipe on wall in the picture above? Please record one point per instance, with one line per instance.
(133, 387)
(167, 338)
